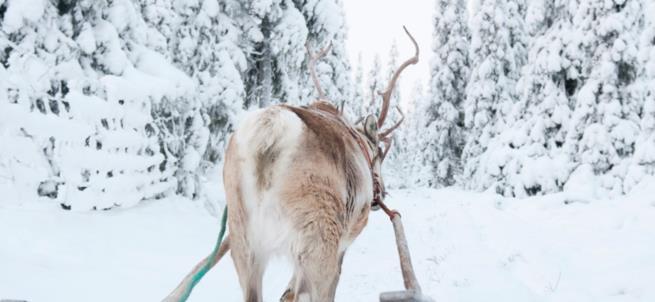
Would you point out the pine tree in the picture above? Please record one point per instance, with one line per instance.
(89, 108)
(411, 140)
(392, 65)
(449, 75)
(326, 24)
(643, 92)
(205, 41)
(224, 90)
(374, 84)
(576, 114)
(355, 105)
(540, 117)
(497, 53)
(605, 121)
(275, 35)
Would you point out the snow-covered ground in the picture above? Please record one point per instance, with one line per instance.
(466, 247)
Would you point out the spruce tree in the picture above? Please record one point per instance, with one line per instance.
(274, 40)
(443, 118)
(325, 21)
(88, 110)
(374, 83)
(497, 54)
(642, 163)
(355, 104)
(605, 121)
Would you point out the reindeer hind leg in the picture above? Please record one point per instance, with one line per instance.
(250, 272)
(317, 268)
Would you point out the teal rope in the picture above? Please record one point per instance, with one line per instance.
(205, 268)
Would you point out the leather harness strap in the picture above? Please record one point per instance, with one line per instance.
(377, 186)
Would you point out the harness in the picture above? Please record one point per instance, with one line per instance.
(377, 185)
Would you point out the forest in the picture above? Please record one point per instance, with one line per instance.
(108, 105)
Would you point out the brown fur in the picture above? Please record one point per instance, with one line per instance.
(330, 137)
(325, 106)
(266, 157)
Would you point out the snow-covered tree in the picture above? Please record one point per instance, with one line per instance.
(411, 141)
(139, 95)
(81, 81)
(497, 53)
(374, 83)
(576, 119)
(205, 46)
(530, 156)
(274, 43)
(392, 65)
(642, 162)
(326, 24)
(443, 117)
(356, 103)
(605, 122)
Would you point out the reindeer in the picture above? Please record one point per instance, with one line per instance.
(299, 183)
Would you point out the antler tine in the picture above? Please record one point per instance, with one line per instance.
(313, 58)
(387, 146)
(386, 94)
(388, 131)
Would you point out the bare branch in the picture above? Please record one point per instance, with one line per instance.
(313, 58)
(386, 94)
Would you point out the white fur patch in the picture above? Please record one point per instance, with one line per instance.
(275, 127)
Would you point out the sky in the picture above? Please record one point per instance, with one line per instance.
(373, 25)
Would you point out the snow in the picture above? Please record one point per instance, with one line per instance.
(86, 40)
(465, 247)
(20, 12)
(114, 58)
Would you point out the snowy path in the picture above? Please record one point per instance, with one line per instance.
(466, 246)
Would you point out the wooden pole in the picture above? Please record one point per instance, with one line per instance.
(409, 277)
(412, 292)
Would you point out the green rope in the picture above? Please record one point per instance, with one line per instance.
(208, 265)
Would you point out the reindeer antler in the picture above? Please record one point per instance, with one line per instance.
(392, 128)
(386, 94)
(313, 58)
(387, 146)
